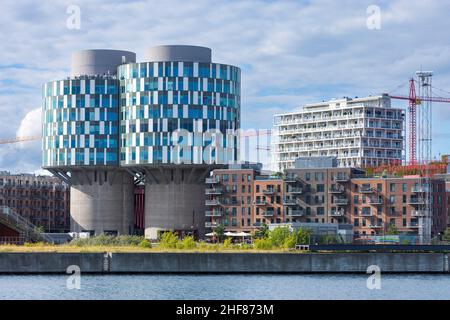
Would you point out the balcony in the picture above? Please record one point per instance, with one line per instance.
(210, 224)
(375, 200)
(269, 191)
(297, 213)
(419, 213)
(419, 189)
(366, 190)
(337, 213)
(416, 201)
(295, 190)
(268, 213)
(213, 213)
(341, 178)
(367, 213)
(291, 178)
(211, 181)
(336, 190)
(340, 201)
(214, 202)
(290, 202)
(260, 203)
(213, 191)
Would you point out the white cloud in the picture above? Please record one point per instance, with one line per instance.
(30, 124)
(291, 52)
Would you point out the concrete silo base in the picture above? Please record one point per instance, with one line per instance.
(101, 201)
(175, 201)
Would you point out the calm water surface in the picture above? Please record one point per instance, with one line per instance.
(285, 287)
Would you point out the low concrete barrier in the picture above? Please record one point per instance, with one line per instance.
(223, 262)
(51, 262)
(276, 262)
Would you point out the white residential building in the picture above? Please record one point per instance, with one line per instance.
(359, 132)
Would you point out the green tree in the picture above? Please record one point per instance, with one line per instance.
(302, 236)
(392, 230)
(279, 235)
(263, 232)
(446, 236)
(219, 230)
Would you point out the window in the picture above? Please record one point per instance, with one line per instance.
(392, 187)
(392, 199)
(320, 188)
(404, 187)
(379, 187)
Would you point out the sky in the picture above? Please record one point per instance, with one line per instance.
(290, 52)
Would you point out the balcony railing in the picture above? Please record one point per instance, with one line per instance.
(260, 203)
(212, 202)
(297, 213)
(291, 178)
(209, 224)
(416, 201)
(269, 191)
(295, 190)
(211, 180)
(337, 213)
(340, 201)
(213, 213)
(336, 190)
(213, 191)
(268, 213)
(419, 213)
(419, 189)
(376, 200)
(342, 178)
(290, 202)
(366, 190)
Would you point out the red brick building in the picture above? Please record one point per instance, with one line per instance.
(43, 200)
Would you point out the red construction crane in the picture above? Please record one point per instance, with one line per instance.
(414, 101)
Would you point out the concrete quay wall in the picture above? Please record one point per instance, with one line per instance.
(224, 262)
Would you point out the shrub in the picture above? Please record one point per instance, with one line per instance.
(263, 244)
(227, 243)
(169, 240)
(35, 244)
(290, 241)
(145, 244)
(106, 240)
(188, 243)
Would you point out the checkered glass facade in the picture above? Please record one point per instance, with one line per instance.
(81, 121)
(174, 112)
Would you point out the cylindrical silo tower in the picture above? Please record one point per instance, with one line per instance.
(179, 116)
(81, 142)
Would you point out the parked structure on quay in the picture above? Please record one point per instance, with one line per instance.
(166, 123)
(358, 132)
